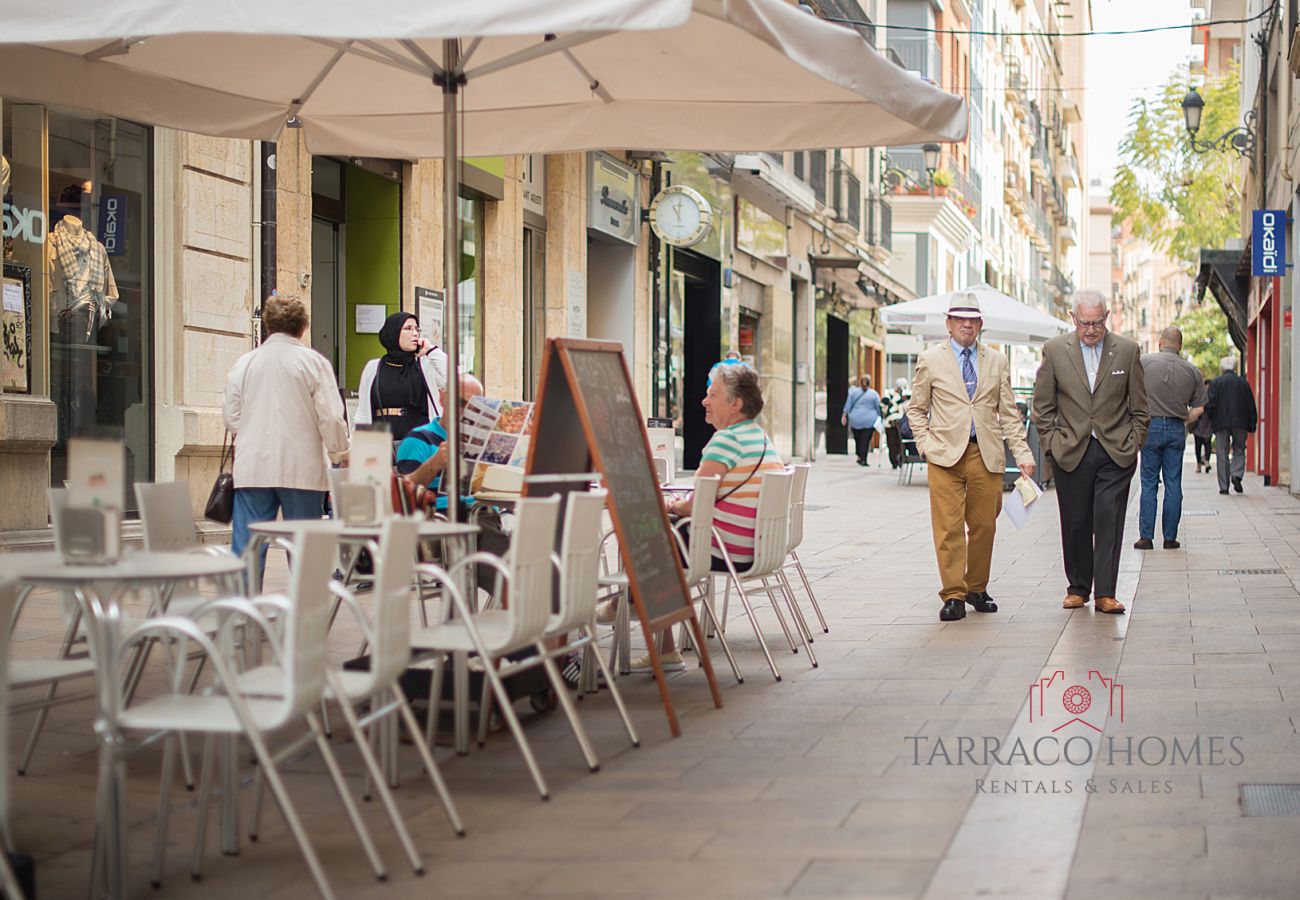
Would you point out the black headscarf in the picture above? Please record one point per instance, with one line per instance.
(400, 380)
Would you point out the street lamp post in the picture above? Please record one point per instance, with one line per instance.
(1240, 139)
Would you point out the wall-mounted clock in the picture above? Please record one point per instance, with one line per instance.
(680, 216)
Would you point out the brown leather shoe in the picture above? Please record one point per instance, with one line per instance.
(1110, 605)
(1074, 601)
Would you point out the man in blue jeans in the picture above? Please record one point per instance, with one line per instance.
(1176, 399)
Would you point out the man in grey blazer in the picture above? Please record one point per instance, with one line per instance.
(1090, 406)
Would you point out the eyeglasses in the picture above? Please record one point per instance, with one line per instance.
(1100, 323)
(411, 326)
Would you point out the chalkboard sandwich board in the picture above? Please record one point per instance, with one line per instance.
(587, 416)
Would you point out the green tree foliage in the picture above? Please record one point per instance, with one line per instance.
(1179, 200)
(1205, 337)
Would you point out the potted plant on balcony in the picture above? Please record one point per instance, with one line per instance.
(942, 180)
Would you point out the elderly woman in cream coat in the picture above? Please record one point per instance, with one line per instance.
(282, 405)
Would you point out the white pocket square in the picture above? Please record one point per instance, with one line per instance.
(1119, 372)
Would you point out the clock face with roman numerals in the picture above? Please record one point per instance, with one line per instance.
(680, 216)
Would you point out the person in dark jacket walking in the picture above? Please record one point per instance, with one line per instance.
(1232, 409)
(1203, 432)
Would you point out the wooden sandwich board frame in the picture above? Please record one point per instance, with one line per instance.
(575, 429)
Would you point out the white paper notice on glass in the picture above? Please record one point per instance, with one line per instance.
(96, 473)
(370, 317)
(13, 297)
(1020, 504)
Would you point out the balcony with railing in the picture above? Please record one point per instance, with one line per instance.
(817, 174)
(919, 53)
(846, 195)
(880, 223)
(1013, 187)
(1040, 233)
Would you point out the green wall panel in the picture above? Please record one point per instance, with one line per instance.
(374, 260)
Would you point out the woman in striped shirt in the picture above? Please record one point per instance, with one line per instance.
(740, 452)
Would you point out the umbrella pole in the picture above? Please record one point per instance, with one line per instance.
(451, 268)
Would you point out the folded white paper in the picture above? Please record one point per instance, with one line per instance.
(1017, 508)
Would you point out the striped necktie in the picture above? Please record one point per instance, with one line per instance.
(968, 376)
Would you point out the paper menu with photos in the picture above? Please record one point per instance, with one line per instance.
(96, 473)
(494, 443)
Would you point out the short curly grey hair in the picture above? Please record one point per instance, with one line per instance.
(740, 381)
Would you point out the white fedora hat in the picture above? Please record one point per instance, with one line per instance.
(964, 305)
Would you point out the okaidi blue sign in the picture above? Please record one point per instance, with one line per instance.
(1268, 242)
(112, 223)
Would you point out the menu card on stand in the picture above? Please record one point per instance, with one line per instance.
(367, 493)
(89, 525)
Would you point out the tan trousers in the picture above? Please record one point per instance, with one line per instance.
(965, 500)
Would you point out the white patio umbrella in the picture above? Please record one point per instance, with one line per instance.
(392, 79)
(1006, 320)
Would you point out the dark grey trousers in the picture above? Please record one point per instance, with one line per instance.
(1237, 436)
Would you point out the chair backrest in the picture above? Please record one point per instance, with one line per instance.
(699, 540)
(798, 490)
(661, 469)
(529, 561)
(580, 557)
(772, 524)
(399, 541)
(305, 635)
(166, 516)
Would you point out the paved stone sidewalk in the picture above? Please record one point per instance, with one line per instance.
(885, 772)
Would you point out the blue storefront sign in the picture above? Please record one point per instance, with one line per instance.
(112, 223)
(1268, 242)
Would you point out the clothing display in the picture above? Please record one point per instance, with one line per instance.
(82, 287)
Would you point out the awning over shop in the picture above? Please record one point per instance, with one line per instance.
(1223, 273)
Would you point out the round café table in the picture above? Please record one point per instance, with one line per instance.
(98, 589)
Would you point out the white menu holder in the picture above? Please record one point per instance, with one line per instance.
(87, 518)
(365, 496)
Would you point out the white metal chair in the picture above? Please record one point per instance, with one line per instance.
(378, 686)
(697, 551)
(578, 564)
(771, 541)
(493, 634)
(73, 662)
(798, 493)
(223, 710)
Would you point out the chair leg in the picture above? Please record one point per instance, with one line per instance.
(805, 633)
(780, 616)
(37, 727)
(753, 621)
(345, 796)
(205, 794)
(800, 625)
(484, 709)
(426, 756)
(508, 712)
(164, 808)
(590, 632)
(267, 765)
(435, 703)
(711, 619)
(807, 586)
(566, 703)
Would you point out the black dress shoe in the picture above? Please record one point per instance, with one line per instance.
(1172, 545)
(952, 611)
(1236, 485)
(982, 602)
(1143, 544)
(1224, 491)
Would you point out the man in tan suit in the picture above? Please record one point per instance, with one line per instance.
(1090, 406)
(962, 409)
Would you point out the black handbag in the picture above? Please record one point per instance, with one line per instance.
(221, 501)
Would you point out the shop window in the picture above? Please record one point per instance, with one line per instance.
(77, 217)
(471, 284)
